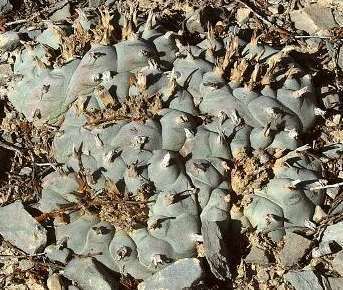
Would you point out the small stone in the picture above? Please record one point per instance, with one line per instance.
(338, 5)
(95, 3)
(324, 282)
(6, 73)
(302, 280)
(334, 233)
(8, 41)
(55, 282)
(263, 275)
(282, 287)
(336, 119)
(183, 274)
(257, 256)
(25, 265)
(61, 14)
(337, 263)
(109, 2)
(333, 151)
(332, 192)
(330, 99)
(215, 250)
(279, 22)
(5, 6)
(324, 249)
(273, 9)
(90, 274)
(319, 214)
(340, 57)
(294, 249)
(313, 18)
(55, 253)
(338, 209)
(19, 228)
(335, 283)
(242, 15)
(313, 44)
(25, 171)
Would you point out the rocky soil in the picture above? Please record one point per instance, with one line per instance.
(171, 144)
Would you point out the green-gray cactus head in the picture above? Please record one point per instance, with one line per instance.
(288, 201)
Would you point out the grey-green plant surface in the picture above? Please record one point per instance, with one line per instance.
(156, 125)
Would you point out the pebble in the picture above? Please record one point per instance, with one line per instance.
(302, 280)
(313, 18)
(324, 249)
(263, 275)
(335, 283)
(55, 282)
(25, 265)
(89, 274)
(6, 73)
(257, 256)
(8, 41)
(331, 99)
(332, 192)
(319, 214)
(61, 14)
(294, 249)
(215, 251)
(334, 233)
(242, 15)
(5, 6)
(25, 171)
(95, 3)
(182, 274)
(337, 263)
(19, 228)
(340, 57)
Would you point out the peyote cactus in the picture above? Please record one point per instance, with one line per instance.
(287, 201)
(150, 111)
(41, 91)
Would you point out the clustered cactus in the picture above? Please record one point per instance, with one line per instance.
(151, 110)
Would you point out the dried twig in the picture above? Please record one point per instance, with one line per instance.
(10, 147)
(311, 36)
(20, 21)
(327, 186)
(3, 256)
